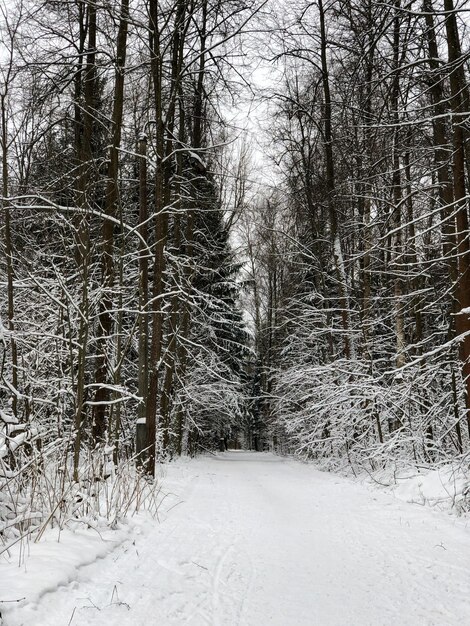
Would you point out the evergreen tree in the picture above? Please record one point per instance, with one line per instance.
(218, 342)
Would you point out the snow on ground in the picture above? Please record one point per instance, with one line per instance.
(445, 488)
(262, 540)
(33, 569)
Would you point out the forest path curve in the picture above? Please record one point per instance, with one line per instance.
(262, 540)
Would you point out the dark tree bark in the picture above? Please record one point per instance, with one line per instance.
(338, 257)
(105, 319)
(460, 106)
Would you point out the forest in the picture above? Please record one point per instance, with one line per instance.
(174, 282)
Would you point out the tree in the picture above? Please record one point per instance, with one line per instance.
(362, 160)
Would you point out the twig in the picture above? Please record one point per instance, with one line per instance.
(71, 617)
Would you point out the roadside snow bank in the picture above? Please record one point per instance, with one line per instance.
(446, 488)
(31, 569)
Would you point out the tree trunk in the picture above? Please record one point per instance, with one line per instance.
(460, 107)
(105, 318)
(143, 277)
(338, 257)
(5, 204)
(83, 149)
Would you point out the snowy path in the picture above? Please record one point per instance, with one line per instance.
(260, 540)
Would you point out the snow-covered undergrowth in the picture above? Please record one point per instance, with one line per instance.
(55, 527)
(404, 430)
(42, 496)
(340, 412)
(446, 487)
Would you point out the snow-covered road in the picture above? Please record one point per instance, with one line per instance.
(260, 540)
